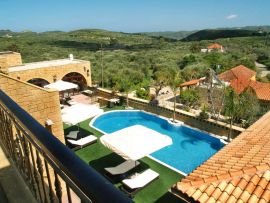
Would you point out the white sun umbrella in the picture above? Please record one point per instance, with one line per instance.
(135, 142)
(79, 112)
(61, 85)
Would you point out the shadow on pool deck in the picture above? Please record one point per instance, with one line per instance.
(74, 128)
(112, 160)
(168, 198)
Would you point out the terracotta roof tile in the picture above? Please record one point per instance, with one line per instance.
(246, 178)
(229, 189)
(231, 199)
(196, 195)
(223, 197)
(239, 72)
(244, 197)
(249, 170)
(239, 78)
(237, 192)
(243, 183)
(191, 191)
(216, 193)
(223, 176)
(262, 167)
(261, 89)
(190, 83)
(250, 187)
(215, 46)
(236, 173)
(203, 198)
(253, 199)
(266, 195)
(262, 201)
(258, 191)
(211, 200)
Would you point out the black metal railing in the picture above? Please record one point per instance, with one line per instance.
(52, 171)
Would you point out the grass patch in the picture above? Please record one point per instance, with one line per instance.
(99, 157)
(114, 108)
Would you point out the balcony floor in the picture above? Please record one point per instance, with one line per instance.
(12, 187)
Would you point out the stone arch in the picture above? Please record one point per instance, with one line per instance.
(38, 82)
(76, 78)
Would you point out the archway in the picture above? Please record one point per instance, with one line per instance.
(38, 82)
(76, 78)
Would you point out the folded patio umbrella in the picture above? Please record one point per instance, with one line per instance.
(61, 85)
(79, 112)
(135, 142)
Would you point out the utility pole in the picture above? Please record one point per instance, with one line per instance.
(102, 68)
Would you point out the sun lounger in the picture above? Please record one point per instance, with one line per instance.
(78, 144)
(71, 102)
(122, 168)
(138, 181)
(120, 171)
(74, 135)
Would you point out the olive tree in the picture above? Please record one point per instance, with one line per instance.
(237, 107)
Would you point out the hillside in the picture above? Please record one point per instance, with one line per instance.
(170, 34)
(236, 32)
(212, 34)
(265, 28)
(138, 55)
(5, 32)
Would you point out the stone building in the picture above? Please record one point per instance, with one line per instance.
(45, 72)
(23, 82)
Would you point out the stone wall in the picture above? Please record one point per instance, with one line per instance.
(8, 59)
(209, 125)
(55, 72)
(40, 103)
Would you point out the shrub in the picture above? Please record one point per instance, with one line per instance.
(190, 97)
(203, 114)
(142, 93)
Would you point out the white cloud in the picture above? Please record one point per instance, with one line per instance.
(232, 16)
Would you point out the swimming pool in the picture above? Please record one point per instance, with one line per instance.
(190, 147)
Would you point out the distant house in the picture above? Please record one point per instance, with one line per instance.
(213, 47)
(239, 72)
(240, 78)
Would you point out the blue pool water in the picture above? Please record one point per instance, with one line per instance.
(190, 147)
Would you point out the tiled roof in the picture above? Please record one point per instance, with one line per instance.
(215, 46)
(239, 72)
(190, 83)
(238, 172)
(262, 90)
(240, 85)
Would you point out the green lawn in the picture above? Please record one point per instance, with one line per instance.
(99, 157)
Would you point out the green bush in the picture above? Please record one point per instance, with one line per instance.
(203, 114)
(142, 93)
(190, 97)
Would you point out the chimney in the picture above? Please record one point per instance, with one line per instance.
(71, 57)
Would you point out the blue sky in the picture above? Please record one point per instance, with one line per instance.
(131, 15)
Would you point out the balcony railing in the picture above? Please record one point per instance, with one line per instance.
(51, 170)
